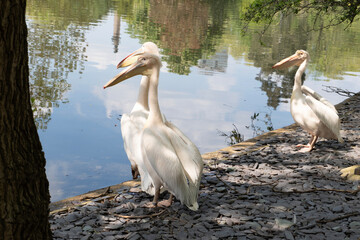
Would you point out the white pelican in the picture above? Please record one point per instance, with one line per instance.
(311, 111)
(171, 159)
(133, 123)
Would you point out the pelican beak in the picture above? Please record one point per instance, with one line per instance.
(130, 59)
(288, 62)
(134, 69)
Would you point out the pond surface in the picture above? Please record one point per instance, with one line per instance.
(214, 79)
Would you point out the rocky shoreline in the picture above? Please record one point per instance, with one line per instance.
(259, 189)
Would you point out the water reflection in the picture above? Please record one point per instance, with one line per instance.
(116, 35)
(185, 30)
(277, 87)
(214, 77)
(215, 63)
(56, 40)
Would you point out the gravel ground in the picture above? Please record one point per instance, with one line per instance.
(260, 189)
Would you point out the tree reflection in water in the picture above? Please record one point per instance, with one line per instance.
(189, 33)
(56, 46)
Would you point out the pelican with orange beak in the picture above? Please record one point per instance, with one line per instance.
(133, 123)
(171, 159)
(312, 112)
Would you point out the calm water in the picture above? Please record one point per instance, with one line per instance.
(213, 78)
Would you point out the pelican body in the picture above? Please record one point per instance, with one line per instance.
(132, 124)
(171, 159)
(311, 111)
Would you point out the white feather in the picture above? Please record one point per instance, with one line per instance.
(173, 163)
(327, 115)
(131, 129)
(309, 92)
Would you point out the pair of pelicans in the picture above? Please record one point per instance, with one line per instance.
(166, 159)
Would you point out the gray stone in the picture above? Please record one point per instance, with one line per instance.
(283, 223)
(182, 234)
(87, 228)
(354, 225)
(61, 234)
(338, 209)
(253, 225)
(225, 232)
(225, 212)
(109, 238)
(151, 236)
(114, 225)
(72, 217)
(86, 237)
(288, 235)
(135, 236)
(337, 228)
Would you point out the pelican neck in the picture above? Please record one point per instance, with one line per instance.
(142, 100)
(155, 113)
(298, 75)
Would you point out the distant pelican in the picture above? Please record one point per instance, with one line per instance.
(311, 111)
(171, 159)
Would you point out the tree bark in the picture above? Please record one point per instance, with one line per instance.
(24, 189)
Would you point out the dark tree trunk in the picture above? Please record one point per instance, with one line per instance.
(24, 189)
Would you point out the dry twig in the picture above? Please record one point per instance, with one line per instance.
(338, 218)
(341, 92)
(141, 216)
(106, 192)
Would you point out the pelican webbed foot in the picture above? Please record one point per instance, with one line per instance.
(303, 146)
(308, 147)
(166, 203)
(151, 205)
(155, 201)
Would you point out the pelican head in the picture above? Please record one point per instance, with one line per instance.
(296, 59)
(148, 47)
(143, 64)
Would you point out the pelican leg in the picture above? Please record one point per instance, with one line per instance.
(307, 145)
(155, 201)
(134, 172)
(315, 138)
(166, 203)
(310, 145)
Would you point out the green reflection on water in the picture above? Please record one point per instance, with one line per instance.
(56, 40)
(188, 32)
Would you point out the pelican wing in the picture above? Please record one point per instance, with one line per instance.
(162, 161)
(309, 92)
(131, 130)
(187, 152)
(326, 114)
(131, 127)
(127, 129)
(169, 157)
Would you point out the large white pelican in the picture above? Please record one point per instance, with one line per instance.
(171, 159)
(311, 111)
(132, 124)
